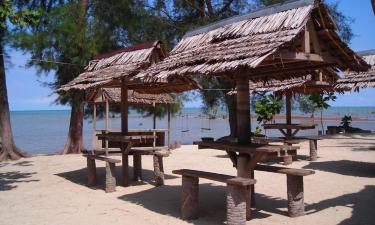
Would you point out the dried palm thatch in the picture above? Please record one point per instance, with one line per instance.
(302, 85)
(355, 81)
(259, 45)
(110, 68)
(113, 95)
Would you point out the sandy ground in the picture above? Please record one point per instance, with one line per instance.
(51, 189)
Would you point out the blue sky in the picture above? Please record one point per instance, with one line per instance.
(26, 92)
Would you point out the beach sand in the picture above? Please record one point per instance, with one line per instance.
(52, 189)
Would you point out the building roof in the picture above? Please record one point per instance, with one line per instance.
(107, 70)
(259, 44)
(354, 80)
(113, 95)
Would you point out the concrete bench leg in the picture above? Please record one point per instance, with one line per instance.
(158, 170)
(110, 177)
(91, 172)
(236, 204)
(296, 205)
(313, 150)
(189, 204)
(137, 164)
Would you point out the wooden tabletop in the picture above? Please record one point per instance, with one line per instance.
(118, 137)
(234, 147)
(289, 126)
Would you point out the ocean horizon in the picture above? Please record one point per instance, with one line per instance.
(45, 131)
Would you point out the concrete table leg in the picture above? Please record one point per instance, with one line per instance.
(137, 166)
(190, 192)
(110, 177)
(158, 170)
(236, 204)
(296, 206)
(313, 150)
(91, 172)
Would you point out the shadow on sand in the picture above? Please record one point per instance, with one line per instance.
(9, 180)
(362, 204)
(345, 167)
(80, 177)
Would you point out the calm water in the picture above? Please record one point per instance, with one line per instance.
(41, 132)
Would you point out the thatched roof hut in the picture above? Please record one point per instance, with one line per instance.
(113, 95)
(109, 69)
(301, 85)
(354, 81)
(282, 41)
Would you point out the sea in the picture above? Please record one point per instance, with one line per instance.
(45, 132)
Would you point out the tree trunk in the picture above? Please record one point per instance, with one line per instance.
(74, 143)
(8, 149)
(232, 114)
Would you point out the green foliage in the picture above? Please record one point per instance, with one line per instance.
(267, 107)
(346, 122)
(321, 101)
(305, 104)
(258, 132)
(20, 17)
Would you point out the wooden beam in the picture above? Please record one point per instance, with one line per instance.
(243, 110)
(124, 107)
(314, 38)
(302, 56)
(169, 126)
(288, 110)
(94, 125)
(306, 40)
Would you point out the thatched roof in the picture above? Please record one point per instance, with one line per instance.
(354, 81)
(134, 98)
(264, 43)
(109, 68)
(303, 85)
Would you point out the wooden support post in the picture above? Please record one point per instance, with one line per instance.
(94, 127)
(110, 177)
(236, 204)
(106, 124)
(158, 170)
(306, 44)
(288, 111)
(243, 110)
(190, 192)
(313, 150)
(252, 189)
(154, 125)
(137, 166)
(91, 172)
(124, 107)
(296, 205)
(169, 126)
(125, 169)
(243, 161)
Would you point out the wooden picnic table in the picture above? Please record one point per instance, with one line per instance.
(126, 142)
(244, 157)
(289, 130)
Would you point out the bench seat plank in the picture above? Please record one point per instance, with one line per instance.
(215, 177)
(102, 158)
(283, 170)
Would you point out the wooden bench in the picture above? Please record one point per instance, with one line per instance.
(238, 206)
(110, 171)
(294, 177)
